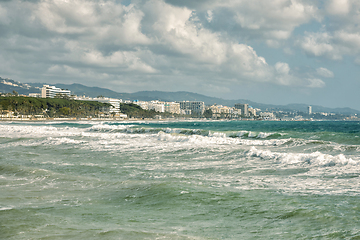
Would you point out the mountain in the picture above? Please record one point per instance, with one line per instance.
(80, 90)
(8, 86)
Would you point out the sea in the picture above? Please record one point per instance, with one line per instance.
(180, 180)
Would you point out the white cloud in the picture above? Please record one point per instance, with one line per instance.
(147, 38)
(283, 76)
(319, 44)
(338, 7)
(282, 68)
(333, 46)
(209, 16)
(325, 72)
(340, 34)
(267, 20)
(315, 83)
(92, 21)
(4, 19)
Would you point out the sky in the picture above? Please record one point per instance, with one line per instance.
(276, 52)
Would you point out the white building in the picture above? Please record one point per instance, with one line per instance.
(51, 91)
(157, 106)
(143, 104)
(172, 107)
(115, 103)
(194, 106)
(252, 111)
(37, 95)
(309, 110)
(267, 115)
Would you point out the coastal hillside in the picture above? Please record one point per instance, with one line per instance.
(80, 90)
(50, 107)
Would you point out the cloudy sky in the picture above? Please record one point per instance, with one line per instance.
(278, 51)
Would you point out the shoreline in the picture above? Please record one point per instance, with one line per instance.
(162, 120)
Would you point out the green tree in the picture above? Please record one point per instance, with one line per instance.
(64, 111)
(208, 113)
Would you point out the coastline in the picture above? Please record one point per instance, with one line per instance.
(165, 120)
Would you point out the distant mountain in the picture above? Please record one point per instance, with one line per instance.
(8, 86)
(80, 90)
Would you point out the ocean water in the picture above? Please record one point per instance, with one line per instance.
(180, 180)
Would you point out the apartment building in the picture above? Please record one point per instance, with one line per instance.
(196, 107)
(51, 91)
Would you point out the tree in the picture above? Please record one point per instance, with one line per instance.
(62, 96)
(15, 93)
(208, 113)
(64, 111)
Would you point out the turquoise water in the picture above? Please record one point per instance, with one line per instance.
(180, 180)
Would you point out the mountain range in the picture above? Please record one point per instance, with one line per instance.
(9, 85)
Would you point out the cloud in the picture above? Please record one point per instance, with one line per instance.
(257, 19)
(325, 72)
(315, 83)
(149, 42)
(339, 35)
(338, 7)
(4, 20)
(319, 44)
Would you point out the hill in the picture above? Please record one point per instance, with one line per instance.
(8, 85)
(80, 90)
(51, 107)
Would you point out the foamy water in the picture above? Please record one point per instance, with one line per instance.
(179, 180)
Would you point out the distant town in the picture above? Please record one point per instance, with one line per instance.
(177, 109)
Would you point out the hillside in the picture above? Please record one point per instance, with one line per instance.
(80, 90)
(9, 85)
(51, 107)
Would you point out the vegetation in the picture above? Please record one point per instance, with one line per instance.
(51, 107)
(208, 113)
(133, 110)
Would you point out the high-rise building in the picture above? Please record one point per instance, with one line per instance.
(115, 103)
(172, 107)
(244, 108)
(309, 109)
(194, 106)
(51, 91)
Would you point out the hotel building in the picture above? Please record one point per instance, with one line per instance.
(51, 91)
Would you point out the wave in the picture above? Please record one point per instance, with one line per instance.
(133, 129)
(313, 159)
(105, 136)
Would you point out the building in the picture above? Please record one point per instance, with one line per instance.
(52, 91)
(115, 103)
(244, 108)
(143, 104)
(267, 115)
(195, 107)
(37, 95)
(172, 107)
(252, 111)
(157, 106)
(309, 110)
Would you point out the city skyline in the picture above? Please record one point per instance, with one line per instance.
(278, 52)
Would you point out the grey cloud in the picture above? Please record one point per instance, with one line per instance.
(340, 34)
(139, 44)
